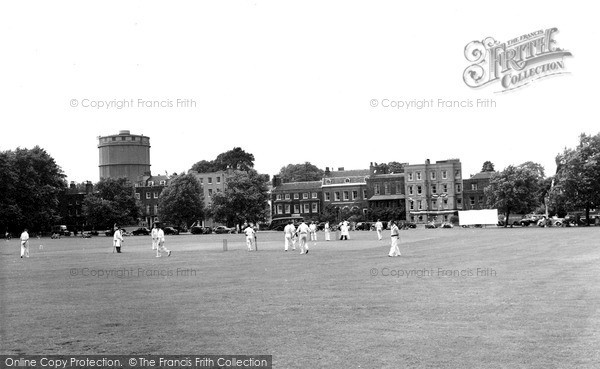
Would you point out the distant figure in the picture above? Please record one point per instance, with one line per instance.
(313, 231)
(344, 231)
(379, 228)
(118, 239)
(395, 236)
(250, 233)
(161, 243)
(289, 231)
(327, 234)
(25, 244)
(302, 237)
(154, 235)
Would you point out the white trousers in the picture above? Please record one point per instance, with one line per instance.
(302, 238)
(394, 249)
(327, 235)
(379, 234)
(313, 236)
(161, 248)
(249, 242)
(25, 249)
(289, 240)
(154, 244)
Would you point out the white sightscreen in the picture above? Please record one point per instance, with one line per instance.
(471, 217)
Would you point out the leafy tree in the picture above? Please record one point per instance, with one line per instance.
(182, 201)
(113, 202)
(330, 213)
(488, 166)
(236, 159)
(244, 199)
(300, 173)
(577, 184)
(515, 189)
(395, 167)
(29, 190)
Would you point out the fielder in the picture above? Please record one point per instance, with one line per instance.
(250, 236)
(302, 237)
(289, 232)
(118, 239)
(154, 235)
(161, 243)
(313, 231)
(395, 236)
(379, 228)
(327, 234)
(25, 244)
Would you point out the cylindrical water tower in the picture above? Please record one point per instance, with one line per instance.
(124, 155)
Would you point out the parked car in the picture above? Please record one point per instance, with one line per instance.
(223, 229)
(363, 226)
(171, 231)
(61, 230)
(200, 230)
(141, 231)
(447, 225)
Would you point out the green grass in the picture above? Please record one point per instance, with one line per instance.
(324, 309)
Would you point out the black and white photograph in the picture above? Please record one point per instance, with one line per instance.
(316, 184)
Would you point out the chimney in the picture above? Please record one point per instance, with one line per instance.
(340, 169)
(327, 171)
(427, 161)
(276, 181)
(89, 187)
(72, 184)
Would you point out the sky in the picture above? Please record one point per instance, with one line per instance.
(289, 82)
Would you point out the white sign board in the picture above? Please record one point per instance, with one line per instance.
(472, 217)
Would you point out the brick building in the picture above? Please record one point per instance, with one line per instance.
(71, 205)
(473, 191)
(433, 191)
(147, 191)
(296, 199)
(346, 190)
(212, 182)
(385, 190)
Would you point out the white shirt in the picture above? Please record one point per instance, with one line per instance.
(313, 228)
(249, 232)
(161, 235)
(154, 233)
(117, 238)
(303, 228)
(379, 226)
(289, 230)
(24, 236)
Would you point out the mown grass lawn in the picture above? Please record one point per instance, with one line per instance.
(533, 302)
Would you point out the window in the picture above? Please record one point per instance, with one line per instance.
(472, 200)
(412, 205)
(364, 194)
(210, 192)
(420, 205)
(305, 195)
(433, 204)
(480, 201)
(209, 180)
(313, 195)
(346, 196)
(306, 209)
(315, 208)
(398, 188)
(327, 196)
(162, 183)
(156, 195)
(148, 195)
(445, 203)
(123, 138)
(218, 179)
(137, 195)
(433, 189)
(279, 209)
(457, 173)
(445, 188)
(328, 181)
(418, 176)
(410, 190)
(354, 195)
(420, 218)
(432, 175)
(296, 209)
(410, 176)
(377, 190)
(114, 138)
(155, 209)
(296, 196)
(386, 188)
(287, 196)
(336, 196)
(151, 183)
(444, 174)
(419, 190)
(147, 209)
(459, 202)
(474, 186)
(458, 188)
(278, 196)
(347, 180)
(287, 208)
(445, 218)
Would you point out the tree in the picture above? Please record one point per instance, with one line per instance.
(182, 201)
(300, 173)
(113, 202)
(244, 199)
(515, 189)
(395, 167)
(235, 158)
(488, 166)
(29, 190)
(577, 184)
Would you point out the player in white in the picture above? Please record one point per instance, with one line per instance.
(395, 235)
(25, 243)
(161, 243)
(154, 235)
(288, 233)
(327, 234)
(250, 233)
(313, 231)
(379, 228)
(118, 239)
(302, 237)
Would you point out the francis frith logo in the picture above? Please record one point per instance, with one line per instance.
(514, 63)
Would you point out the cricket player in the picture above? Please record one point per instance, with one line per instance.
(24, 244)
(313, 231)
(250, 233)
(154, 235)
(344, 230)
(327, 234)
(303, 230)
(379, 228)
(161, 243)
(395, 235)
(118, 239)
(289, 231)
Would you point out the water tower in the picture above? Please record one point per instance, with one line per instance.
(124, 155)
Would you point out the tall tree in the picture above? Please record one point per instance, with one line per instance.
(515, 189)
(204, 166)
(182, 201)
(244, 199)
(395, 167)
(113, 202)
(578, 175)
(488, 166)
(29, 190)
(236, 159)
(300, 173)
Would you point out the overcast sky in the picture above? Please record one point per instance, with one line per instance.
(288, 81)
